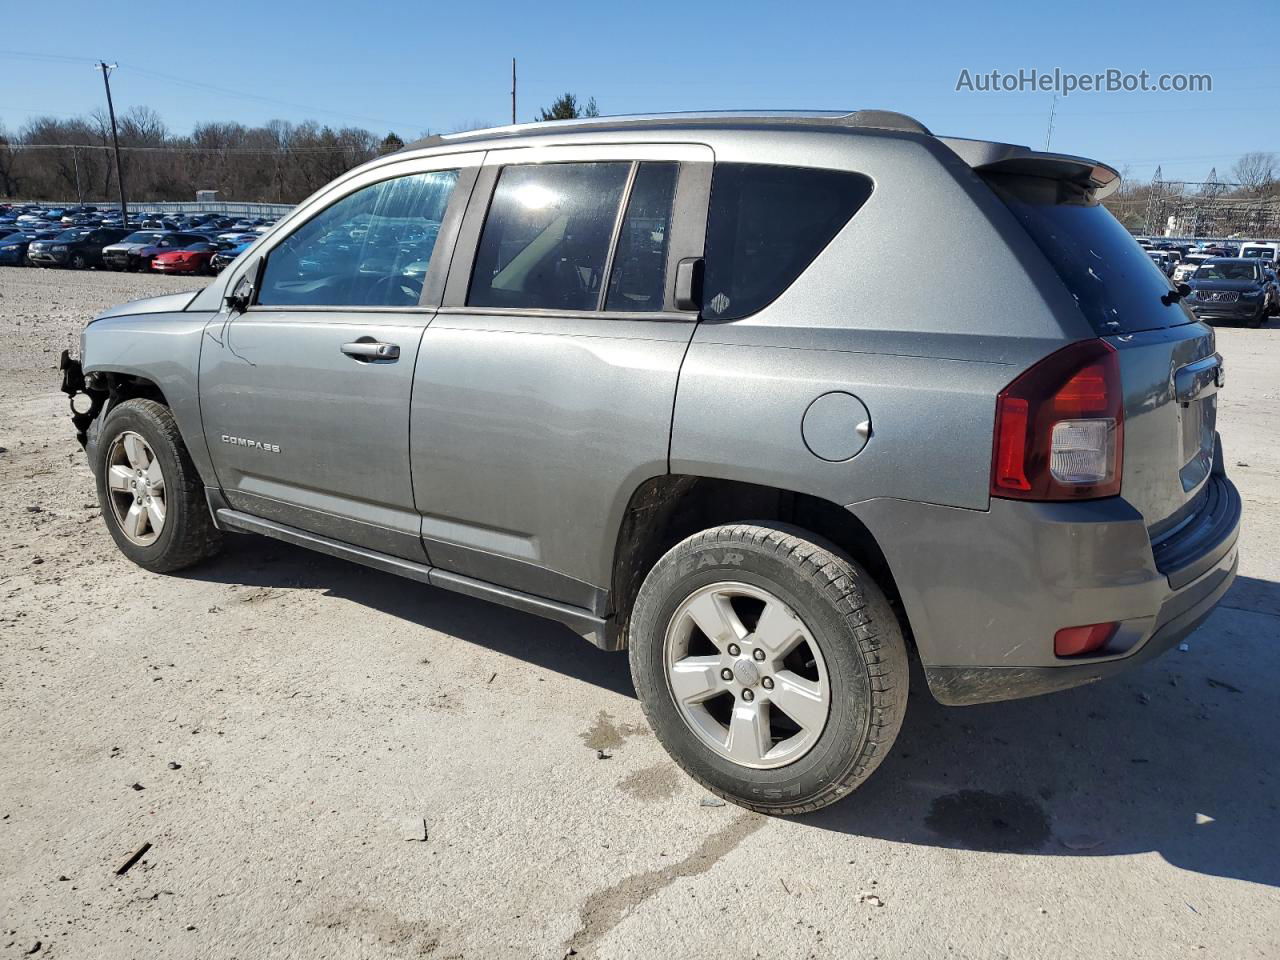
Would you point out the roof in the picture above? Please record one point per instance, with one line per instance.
(729, 119)
(989, 156)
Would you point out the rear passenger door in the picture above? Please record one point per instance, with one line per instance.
(305, 395)
(544, 389)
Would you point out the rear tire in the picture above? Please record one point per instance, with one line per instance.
(151, 496)
(846, 650)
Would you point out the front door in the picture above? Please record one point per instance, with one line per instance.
(305, 395)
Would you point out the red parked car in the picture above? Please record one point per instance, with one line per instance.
(194, 258)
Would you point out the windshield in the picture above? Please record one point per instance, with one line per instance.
(1226, 271)
(141, 238)
(67, 235)
(1258, 253)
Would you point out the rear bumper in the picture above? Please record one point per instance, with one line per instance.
(1178, 617)
(985, 591)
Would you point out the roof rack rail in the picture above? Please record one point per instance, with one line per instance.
(877, 119)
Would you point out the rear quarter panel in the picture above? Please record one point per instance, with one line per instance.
(927, 303)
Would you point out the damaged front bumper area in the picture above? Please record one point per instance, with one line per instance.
(75, 386)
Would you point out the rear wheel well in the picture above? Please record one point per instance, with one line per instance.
(665, 510)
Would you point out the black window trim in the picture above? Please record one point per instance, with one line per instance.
(606, 275)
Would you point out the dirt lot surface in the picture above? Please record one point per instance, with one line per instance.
(282, 727)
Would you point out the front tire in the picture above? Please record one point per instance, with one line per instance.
(771, 667)
(152, 499)
(78, 262)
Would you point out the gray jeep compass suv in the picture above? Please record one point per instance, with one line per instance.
(682, 383)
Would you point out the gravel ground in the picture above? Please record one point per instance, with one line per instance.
(283, 729)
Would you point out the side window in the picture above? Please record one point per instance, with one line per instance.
(766, 224)
(370, 249)
(545, 242)
(638, 278)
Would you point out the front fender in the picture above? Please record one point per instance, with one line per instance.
(163, 349)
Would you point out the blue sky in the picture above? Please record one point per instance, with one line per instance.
(414, 66)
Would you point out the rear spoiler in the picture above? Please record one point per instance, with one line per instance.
(986, 156)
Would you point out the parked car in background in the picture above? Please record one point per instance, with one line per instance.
(135, 251)
(1162, 261)
(124, 254)
(227, 253)
(163, 244)
(13, 248)
(78, 247)
(1188, 266)
(1261, 251)
(1022, 491)
(1231, 289)
(193, 258)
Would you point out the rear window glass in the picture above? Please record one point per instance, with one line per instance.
(1112, 278)
(766, 225)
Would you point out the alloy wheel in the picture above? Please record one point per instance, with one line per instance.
(746, 675)
(135, 486)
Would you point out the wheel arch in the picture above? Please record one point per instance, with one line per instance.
(108, 389)
(664, 510)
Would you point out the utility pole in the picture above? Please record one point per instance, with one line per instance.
(513, 89)
(106, 69)
(75, 159)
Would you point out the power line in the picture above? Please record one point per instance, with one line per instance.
(180, 148)
(213, 88)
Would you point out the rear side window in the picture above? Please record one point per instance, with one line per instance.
(545, 243)
(1110, 276)
(766, 225)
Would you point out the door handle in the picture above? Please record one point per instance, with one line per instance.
(367, 350)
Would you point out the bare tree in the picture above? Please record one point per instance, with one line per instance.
(1254, 171)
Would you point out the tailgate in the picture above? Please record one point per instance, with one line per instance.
(1171, 379)
(1170, 371)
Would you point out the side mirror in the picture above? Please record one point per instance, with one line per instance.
(1184, 289)
(241, 296)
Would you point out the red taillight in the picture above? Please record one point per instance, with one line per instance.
(1059, 431)
(1074, 641)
